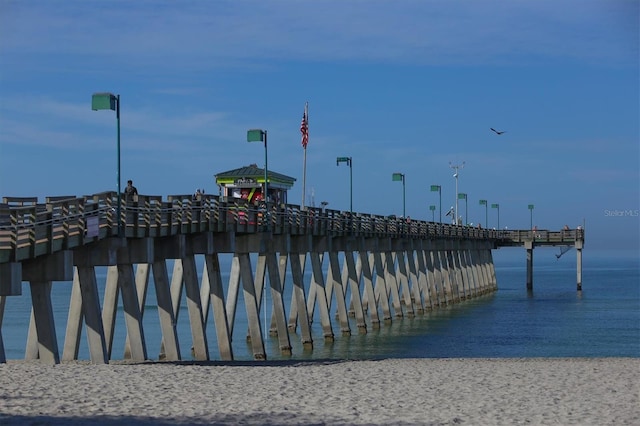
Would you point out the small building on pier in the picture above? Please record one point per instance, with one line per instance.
(248, 183)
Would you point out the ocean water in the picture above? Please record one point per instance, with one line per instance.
(553, 320)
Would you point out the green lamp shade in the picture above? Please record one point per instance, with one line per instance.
(255, 135)
(103, 101)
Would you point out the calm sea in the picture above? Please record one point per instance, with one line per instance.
(553, 320)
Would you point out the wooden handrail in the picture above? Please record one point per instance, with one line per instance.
(26, 225)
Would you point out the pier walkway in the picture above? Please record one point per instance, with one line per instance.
(365, 269)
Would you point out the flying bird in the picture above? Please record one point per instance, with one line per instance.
(497, 132)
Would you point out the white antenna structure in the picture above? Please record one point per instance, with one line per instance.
(456, 167)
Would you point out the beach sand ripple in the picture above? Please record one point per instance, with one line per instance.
(556, 391)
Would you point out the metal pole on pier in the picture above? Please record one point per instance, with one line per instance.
(105, 100)
(455, 175)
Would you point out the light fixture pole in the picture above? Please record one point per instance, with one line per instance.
(105, 100)
(438, 188)
(497, 206)
(349, 162)
(463, 196)
(259, 135)
(432, 207)
(486, 212)
(456, 167)
(400, 177)
(531, 215)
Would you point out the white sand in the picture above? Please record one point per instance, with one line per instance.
(389, 392)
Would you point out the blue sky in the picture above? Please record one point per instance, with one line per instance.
(399, 86)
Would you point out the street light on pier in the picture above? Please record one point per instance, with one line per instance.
(486, 212)
(438, 188)
(105, 100)
(432, 207)
(463, 196)
(400, 177)
(456, 167)
(497, 206)
(259, 135)
(349, 162)
(531, 213)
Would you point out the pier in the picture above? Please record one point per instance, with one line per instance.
(366, 270)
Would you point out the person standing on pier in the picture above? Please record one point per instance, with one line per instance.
(130, 191)
(131, 197)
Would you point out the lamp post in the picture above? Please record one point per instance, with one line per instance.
(486, 212)
(463, 196)
(432, 207)
(349, 162)
(400, 177)
(105, 100)
(455, 175)
(497, 206)
(259, 135)
(438, 188)
(531, 215)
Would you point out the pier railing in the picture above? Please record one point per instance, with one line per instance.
(541, 237)
(29, 229)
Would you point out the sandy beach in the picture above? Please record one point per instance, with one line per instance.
(558, 391)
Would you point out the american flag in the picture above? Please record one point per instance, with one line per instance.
(304, 129)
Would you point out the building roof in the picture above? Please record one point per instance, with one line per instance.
(254, 172)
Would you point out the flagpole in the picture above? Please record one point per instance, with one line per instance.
(304, 164)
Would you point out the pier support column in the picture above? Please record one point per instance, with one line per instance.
(418, 295)
(427, 265)
(321, 296)
(91, 313)
(354, 286)
(3, 357)
(381, 287)
(170, 346)
(299, 299)
(363, 269)
(445, 278)
(11, 279)
(251, 305)
(42, 318)
(278, 318)
(337, 287)
(578, 246)
(528, 245)
(492, 271)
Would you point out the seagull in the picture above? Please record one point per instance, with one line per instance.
(497, 132)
